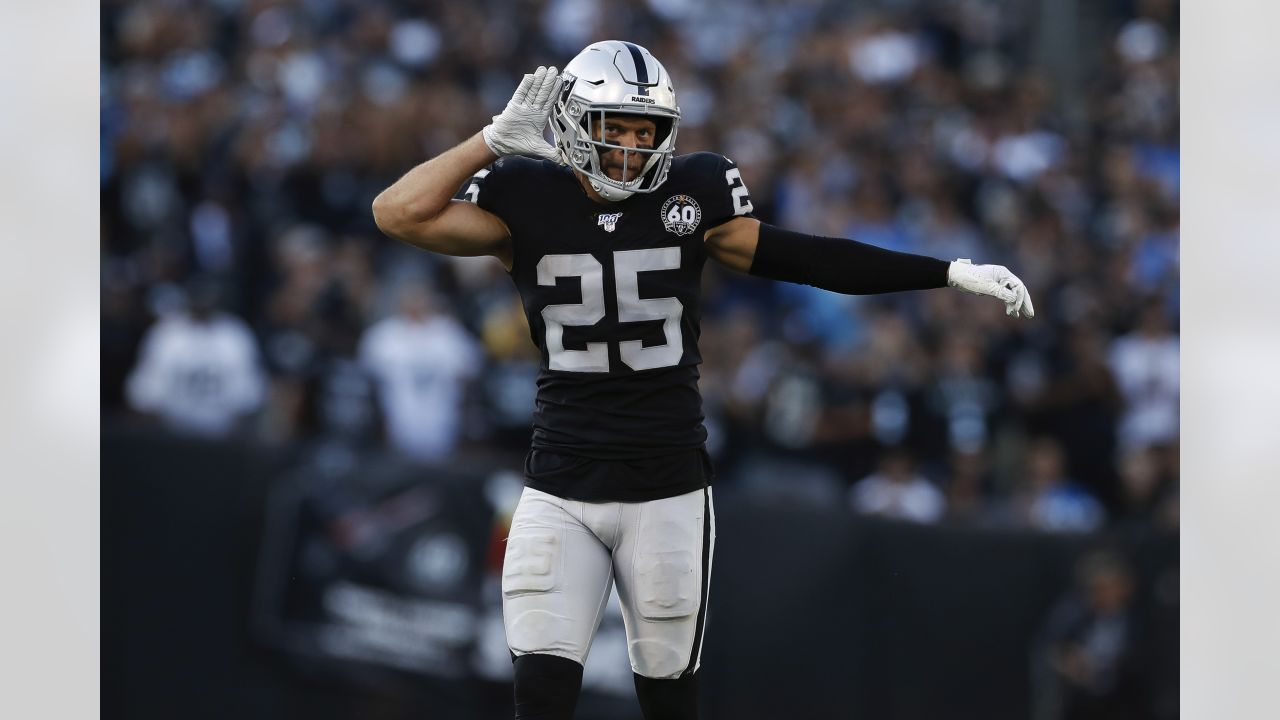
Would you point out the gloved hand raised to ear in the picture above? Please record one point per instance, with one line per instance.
(518, 129)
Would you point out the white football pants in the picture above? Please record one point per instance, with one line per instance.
(563, 556)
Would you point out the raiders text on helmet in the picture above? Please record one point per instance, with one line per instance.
(620, 78)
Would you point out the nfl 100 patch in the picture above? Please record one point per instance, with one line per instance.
(608, 221)
(681, 214)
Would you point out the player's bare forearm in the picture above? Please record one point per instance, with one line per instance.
(425, 191)
(419, 209)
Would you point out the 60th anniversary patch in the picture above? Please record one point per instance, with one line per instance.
(681, 214)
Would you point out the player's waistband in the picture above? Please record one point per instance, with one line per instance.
(590, 479)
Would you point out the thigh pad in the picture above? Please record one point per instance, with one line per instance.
(532, 562)
(667, 574)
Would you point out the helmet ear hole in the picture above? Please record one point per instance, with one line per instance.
(589, 122)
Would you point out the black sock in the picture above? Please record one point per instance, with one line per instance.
(546, 687)
(675, 699)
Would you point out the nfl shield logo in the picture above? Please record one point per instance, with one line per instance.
(609, 221)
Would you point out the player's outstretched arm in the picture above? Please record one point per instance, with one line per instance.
(419, 208)
(854, 268)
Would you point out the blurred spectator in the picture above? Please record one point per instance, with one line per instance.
(421, 360)
(967, 487)
(510, 381)
(1140, 483)
(198, 369)
(1089, 647)
(1080, 406)
(897, 491)
(1145, 363)
(946, 233)
(1048, 499)
(123, 326)
(1168, 515)
(1149, 491)
(963, 396)
(315, 316)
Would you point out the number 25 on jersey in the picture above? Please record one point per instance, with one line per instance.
(627, 266)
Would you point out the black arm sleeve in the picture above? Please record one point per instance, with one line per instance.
(843, 266)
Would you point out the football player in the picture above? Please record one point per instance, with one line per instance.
(605, 233)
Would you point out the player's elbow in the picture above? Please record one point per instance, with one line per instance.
(733, 244)
(396, 216)
(408, 224)
(388, 213)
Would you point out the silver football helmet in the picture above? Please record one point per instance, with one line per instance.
(621, 78)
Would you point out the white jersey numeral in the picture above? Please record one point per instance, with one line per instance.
(473, 190)
(627, 266)
(588, 312)
(738, 189)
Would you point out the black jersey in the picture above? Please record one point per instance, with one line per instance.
(612, 294)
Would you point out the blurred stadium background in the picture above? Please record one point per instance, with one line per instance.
(312, 436)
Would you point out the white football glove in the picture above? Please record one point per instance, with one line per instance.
(993, 280)
(518, 129)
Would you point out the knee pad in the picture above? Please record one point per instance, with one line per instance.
(546, 687)
(675, 699)
(662, 655)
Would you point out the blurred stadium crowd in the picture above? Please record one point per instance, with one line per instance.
(245, 289)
